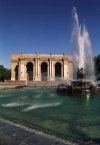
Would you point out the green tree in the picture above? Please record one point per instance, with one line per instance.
(97, 66)
(2, 73)
(5, 74)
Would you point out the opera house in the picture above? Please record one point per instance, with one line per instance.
(40, 67)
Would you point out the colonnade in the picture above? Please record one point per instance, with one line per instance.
(41, 67)
(39, 71)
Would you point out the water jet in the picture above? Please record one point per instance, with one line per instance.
(83, 65)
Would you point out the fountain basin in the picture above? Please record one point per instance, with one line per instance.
(78, 87)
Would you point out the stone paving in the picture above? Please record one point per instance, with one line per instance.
(13, 135)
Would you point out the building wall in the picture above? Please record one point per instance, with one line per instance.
(20, 62)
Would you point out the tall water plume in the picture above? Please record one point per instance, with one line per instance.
(82, 51)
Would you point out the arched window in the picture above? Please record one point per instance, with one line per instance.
(29, 67)
(58, 71)
(44, 71)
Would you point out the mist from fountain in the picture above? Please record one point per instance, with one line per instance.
(82, 50)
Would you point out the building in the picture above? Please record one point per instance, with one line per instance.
(40, 67)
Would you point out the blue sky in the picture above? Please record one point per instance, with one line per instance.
(44, 26)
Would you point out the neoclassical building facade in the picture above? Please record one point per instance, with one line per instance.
(40, 67)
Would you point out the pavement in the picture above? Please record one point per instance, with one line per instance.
(12, 134)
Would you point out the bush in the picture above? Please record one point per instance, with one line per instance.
(5, 74)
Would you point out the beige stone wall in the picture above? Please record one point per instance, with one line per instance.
(21, 60)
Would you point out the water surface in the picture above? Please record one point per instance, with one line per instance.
(76, 117)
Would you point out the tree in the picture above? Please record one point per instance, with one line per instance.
(5, 74)
(97, 66)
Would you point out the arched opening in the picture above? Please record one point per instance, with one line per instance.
(57, 71)
(16, 72)
(44, 71)
(29, 67)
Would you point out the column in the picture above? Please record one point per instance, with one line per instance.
(19, 72)
(25, 72)
(61, 71)
(70, 74)
(37, 71)
(33, 72)
(48, 69)
(52, 71)
(13, 71)
(65, 71)
(22, 74)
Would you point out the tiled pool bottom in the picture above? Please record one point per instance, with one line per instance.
(75, 117)
(14, 135)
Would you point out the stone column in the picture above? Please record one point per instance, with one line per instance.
(37, 71)
(70, 74)
(37, 68)
(25, 72)
(54, 71)
(33, 72)
(48, 69)
(65, 70)
(13, 65)
(19, 72)
(62, 68)
(51, 70)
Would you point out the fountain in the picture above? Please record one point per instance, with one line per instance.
(82, 50)
(83, 65)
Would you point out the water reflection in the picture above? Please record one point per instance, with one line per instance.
(87, 98)
(35, 106)
(14, 104)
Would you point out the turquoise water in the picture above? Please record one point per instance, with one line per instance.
(76, 117)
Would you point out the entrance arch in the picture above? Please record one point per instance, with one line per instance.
(44, 67)
(29, 68)
(57, 71)
(16, 72)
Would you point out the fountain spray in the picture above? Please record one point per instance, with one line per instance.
(82, 50)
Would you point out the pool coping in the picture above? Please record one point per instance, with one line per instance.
(37, 132)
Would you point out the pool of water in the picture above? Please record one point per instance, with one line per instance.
(76, 117)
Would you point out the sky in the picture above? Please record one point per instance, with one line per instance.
(44, 26)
